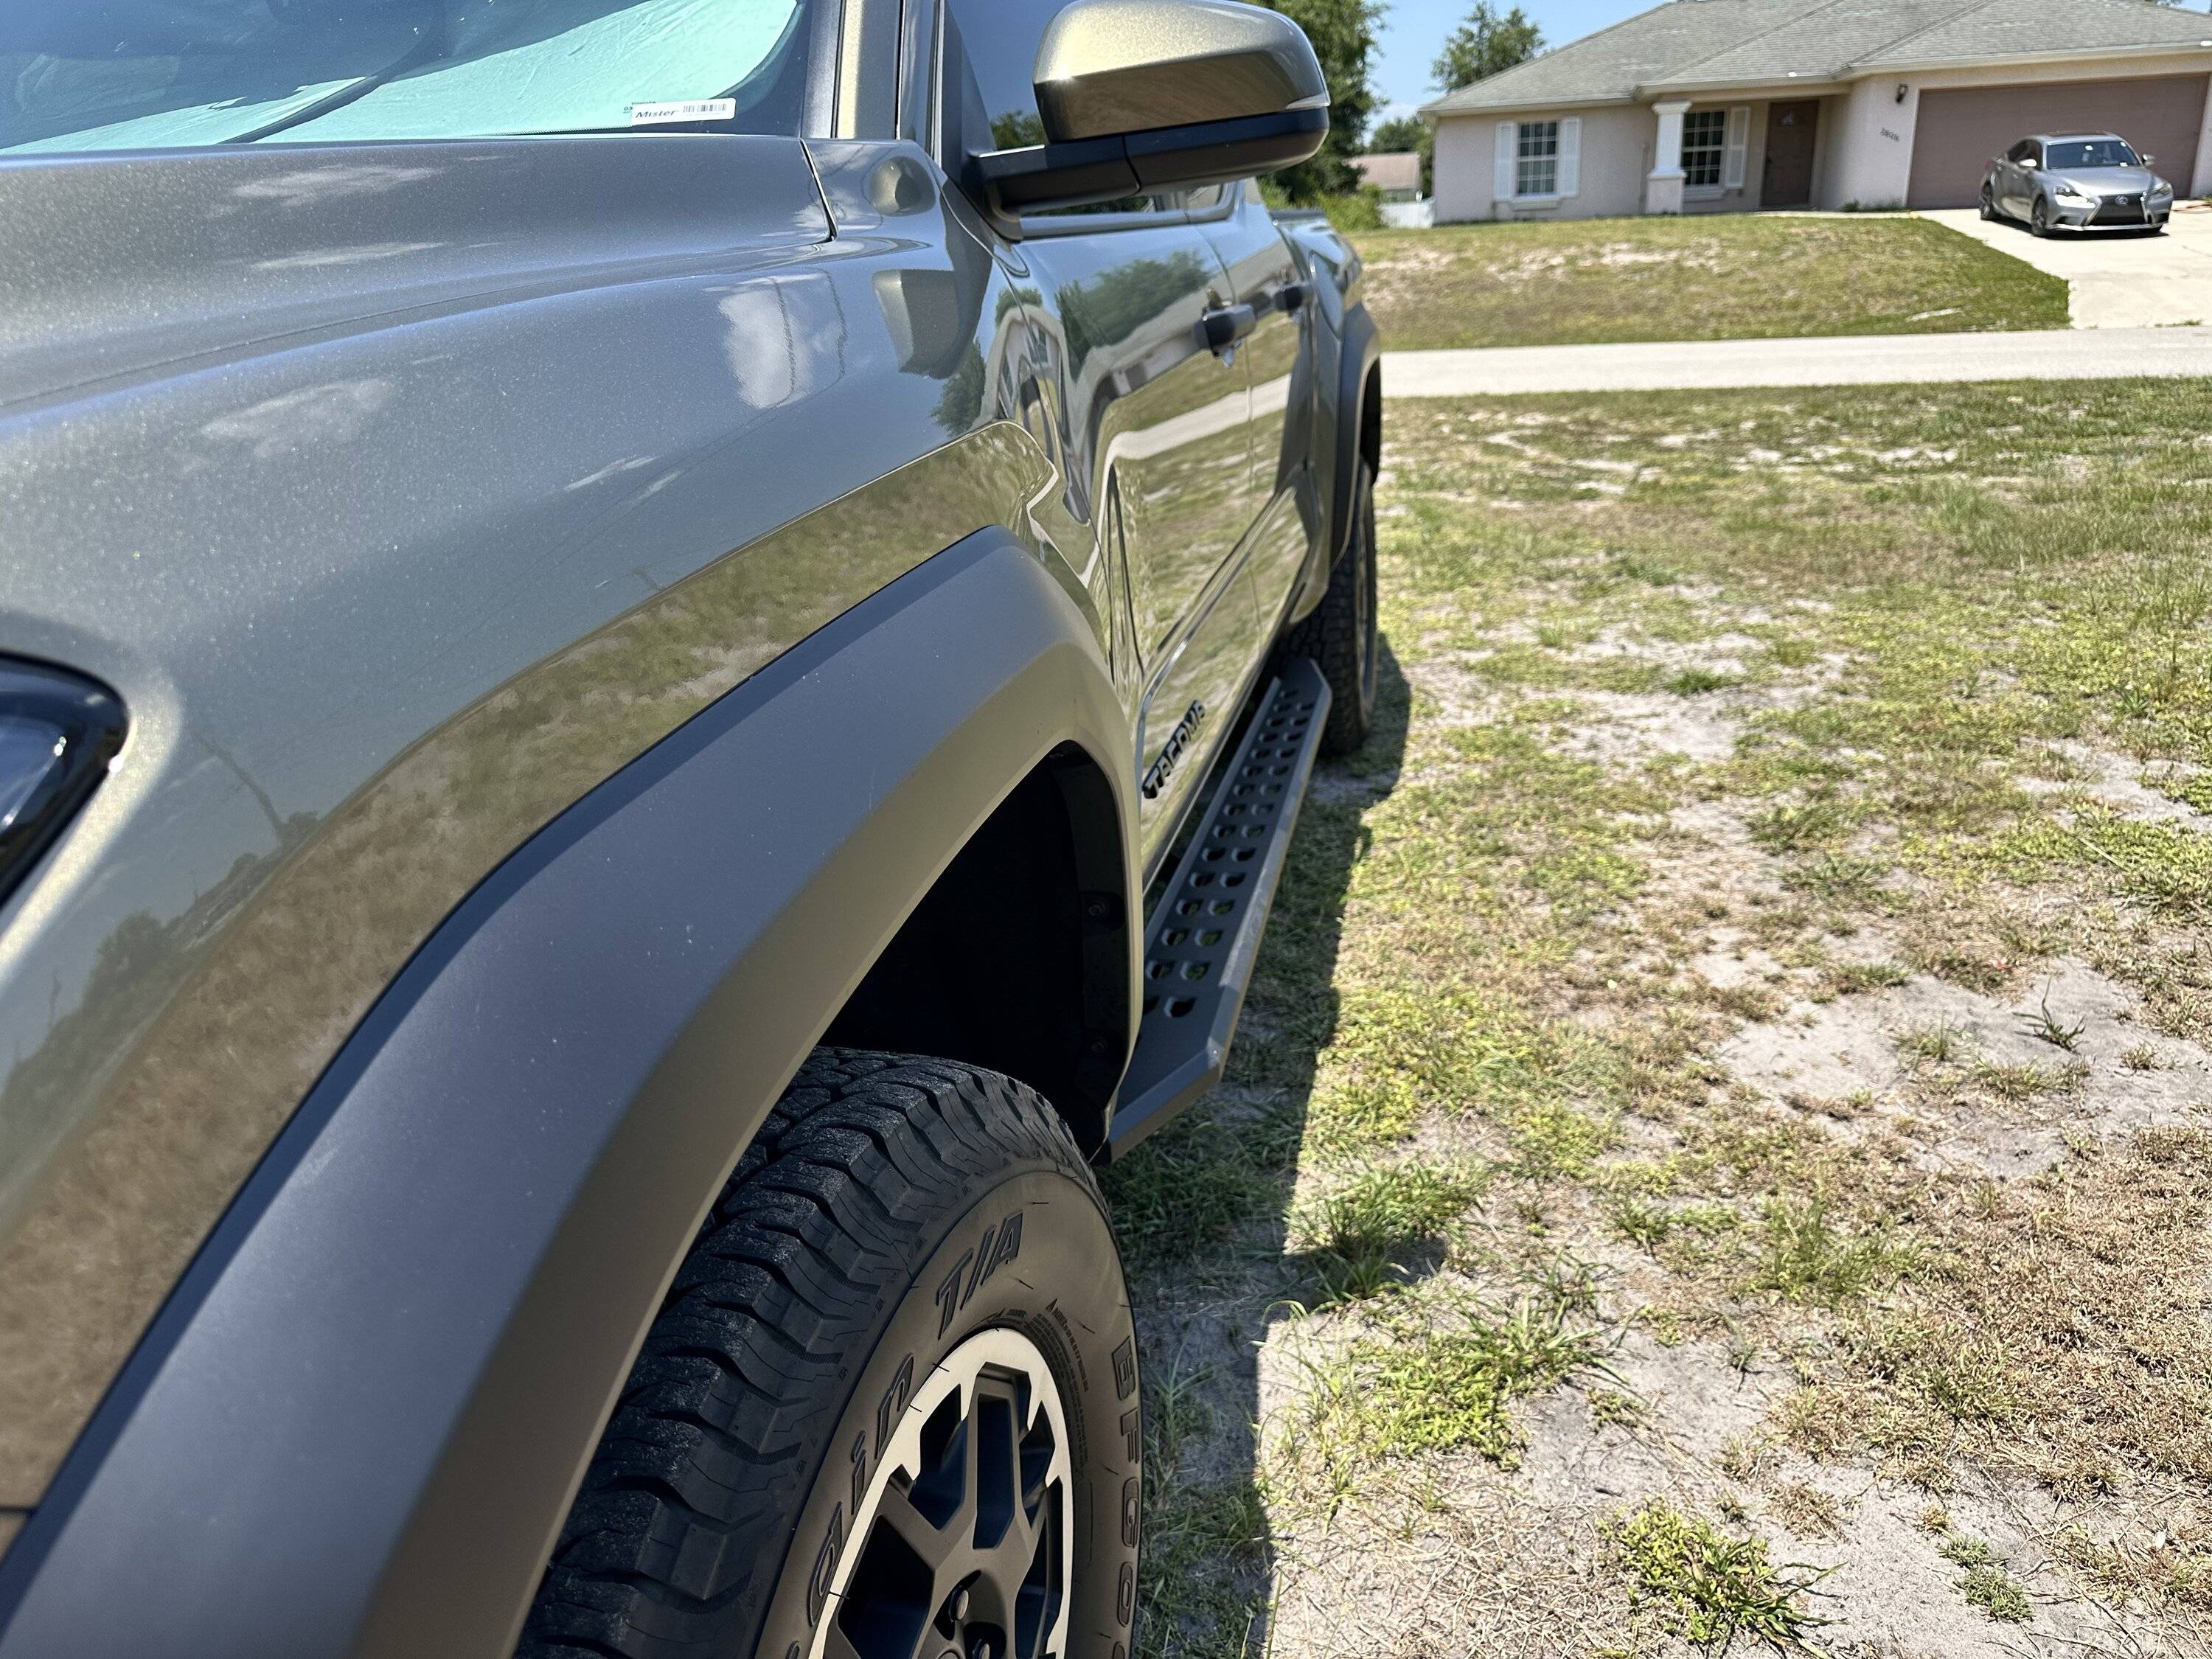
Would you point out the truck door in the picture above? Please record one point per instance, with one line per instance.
(1154, 396)
(1263, 276)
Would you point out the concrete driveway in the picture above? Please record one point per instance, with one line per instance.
(1835, 360)
(2113, 280)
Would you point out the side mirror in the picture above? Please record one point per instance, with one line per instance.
(2145, 157)
(1138, 95)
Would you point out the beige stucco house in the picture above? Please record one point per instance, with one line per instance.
(1718, 106)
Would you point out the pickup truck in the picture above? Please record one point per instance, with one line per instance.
(656, 660)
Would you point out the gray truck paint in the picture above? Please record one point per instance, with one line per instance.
(376, 617)
(406, 494)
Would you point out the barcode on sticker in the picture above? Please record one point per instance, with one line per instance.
(692, 109)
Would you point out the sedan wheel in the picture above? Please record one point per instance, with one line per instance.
(1989, 202)
(2038, 219)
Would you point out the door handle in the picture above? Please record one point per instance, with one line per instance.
(1292, 296)
(1225, 326)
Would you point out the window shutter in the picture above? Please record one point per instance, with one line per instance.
(1509, 150)
(1570, 155)
(1739, 136)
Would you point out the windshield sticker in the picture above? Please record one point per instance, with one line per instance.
(692, 109)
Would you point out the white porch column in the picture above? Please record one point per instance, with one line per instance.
(2202, 173)
(1662, 185)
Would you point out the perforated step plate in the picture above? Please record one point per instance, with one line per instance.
(1200, 944)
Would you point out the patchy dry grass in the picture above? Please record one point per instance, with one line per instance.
(1360, 1234)
(1713, 1588)
(1412, 1388)
(1700, 278)
(1729, 1062)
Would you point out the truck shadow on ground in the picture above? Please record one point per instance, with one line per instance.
(1217, 1248)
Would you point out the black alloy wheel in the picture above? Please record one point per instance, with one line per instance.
(960, 1548)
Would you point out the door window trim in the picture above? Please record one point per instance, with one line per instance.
(864, 84)
(1035, 225)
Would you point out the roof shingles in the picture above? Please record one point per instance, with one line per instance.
(2038, 28)
(1687, 44)
(1608, 66)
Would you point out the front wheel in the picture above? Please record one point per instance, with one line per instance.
(889, 1408)
(2038, 219)
(1342, 634)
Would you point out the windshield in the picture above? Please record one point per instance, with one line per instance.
(2090, 152)
(79, 75)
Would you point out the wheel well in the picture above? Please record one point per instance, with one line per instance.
(1017, 958)
(1371, 419)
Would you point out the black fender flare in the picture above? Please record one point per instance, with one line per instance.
(358, 1422)
(1338, 420)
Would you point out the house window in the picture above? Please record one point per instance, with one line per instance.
(1537, 170)
(1705, 139)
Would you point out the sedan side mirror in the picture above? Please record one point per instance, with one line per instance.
(1138, 95)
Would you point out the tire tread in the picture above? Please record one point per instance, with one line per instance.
(1330, 634)
(705, 1453)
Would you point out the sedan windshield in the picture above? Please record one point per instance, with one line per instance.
(2090, 152)
(77, 75)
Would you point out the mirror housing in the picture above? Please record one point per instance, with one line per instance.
(1138, 95)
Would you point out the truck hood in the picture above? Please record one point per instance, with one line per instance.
(117, 264)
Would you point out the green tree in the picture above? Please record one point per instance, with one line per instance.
(1343, 36)
(1489, 41)
(1403, 133)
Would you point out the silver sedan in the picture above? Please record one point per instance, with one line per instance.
(2077, 181)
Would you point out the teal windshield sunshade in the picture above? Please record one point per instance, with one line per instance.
(411, 68)
(564, 66)
(188, 128)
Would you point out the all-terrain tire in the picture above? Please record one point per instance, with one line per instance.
(1341, 634)
(893, 1208)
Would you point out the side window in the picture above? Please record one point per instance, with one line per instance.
(988, 82)
(2018, 153)
(990, 55)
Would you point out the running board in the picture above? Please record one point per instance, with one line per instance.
(1201, 945)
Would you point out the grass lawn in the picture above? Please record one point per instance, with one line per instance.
(1720, 1149)
(1731, 277)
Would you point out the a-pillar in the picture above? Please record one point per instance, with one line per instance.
(1662, 185)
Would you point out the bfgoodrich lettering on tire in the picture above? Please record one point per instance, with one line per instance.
(889, 1406)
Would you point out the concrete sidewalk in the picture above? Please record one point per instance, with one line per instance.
(2112, 280)
(1850, 360)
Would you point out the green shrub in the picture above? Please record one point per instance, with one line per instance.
(1359, 209)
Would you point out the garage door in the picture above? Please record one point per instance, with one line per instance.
(1959, 130)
